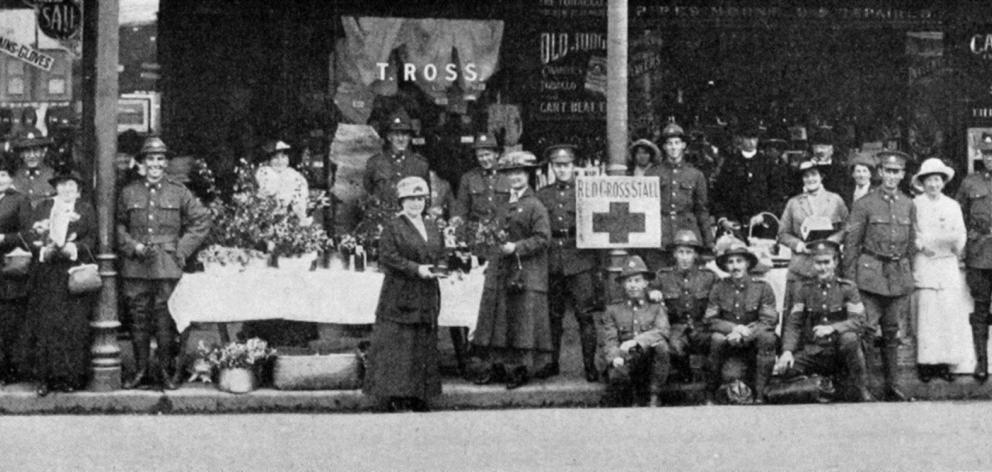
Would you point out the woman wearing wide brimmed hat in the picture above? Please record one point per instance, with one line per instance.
(641, 156)
(513, 334)
(403, 357)
(275, 177)
(942, 302)
(53, 349)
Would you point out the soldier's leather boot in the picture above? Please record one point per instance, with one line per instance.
(858, 370)
(763, 371)
(587, 334)
(654, 401)
(980, 336)
(142, 349)
(890, 361)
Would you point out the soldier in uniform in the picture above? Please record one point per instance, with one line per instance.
(684, 289)
(571, 272)
(757, 184)
(159, 224)
(741, 315)
(823, 329)
(878, 248)
(481, 189)
(635, 335)
(384, 170)
(975, 197)
(683, 195)
(32, 179)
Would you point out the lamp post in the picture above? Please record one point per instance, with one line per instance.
(616, 117)
(100, 92)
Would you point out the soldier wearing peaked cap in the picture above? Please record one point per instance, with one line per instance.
(975, 197)
(571, 274)
(878, 248)
(742, 317)
(32, 178)
(159, 224)
(822, 330)
(684, 200)
(634, 334)
(384, 170)
(482, 189)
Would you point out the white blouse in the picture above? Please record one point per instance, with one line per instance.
(287, 185)
(939, 225)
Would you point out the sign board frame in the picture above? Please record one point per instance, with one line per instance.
(615, 212)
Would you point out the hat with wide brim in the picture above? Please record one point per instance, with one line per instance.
(62, 176)
(30, 140)
(632, 266)
(412, 186)
(672, 130)
(646, 144)
(735, 247)
(930, 167)
(515, 160)
(485, 141)
(275, 146)
(153, 145)
(686, 238)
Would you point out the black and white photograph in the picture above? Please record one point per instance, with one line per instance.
(534, 235)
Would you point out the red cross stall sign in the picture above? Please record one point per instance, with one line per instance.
(617, 212)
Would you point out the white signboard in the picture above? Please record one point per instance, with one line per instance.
(618, 212)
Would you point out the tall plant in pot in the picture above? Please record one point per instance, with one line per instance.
(296, 243)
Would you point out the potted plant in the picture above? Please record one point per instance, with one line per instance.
(295, 243)
(238, 363)
(216, 258)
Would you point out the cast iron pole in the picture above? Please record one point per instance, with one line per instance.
(616, 116)
(100, 59)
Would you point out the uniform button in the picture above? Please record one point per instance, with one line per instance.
(150, 230)
(151, 217)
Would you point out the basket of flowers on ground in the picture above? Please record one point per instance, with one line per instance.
(238, 364)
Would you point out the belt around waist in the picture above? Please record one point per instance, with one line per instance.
(883, 257)
(563, 233)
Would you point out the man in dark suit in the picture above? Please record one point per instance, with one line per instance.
(748, 184)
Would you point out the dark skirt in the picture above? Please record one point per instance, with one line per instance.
(11, 319)
(518, 320)
(54, 345)
(403, 361)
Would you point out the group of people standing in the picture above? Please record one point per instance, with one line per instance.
(859, 252)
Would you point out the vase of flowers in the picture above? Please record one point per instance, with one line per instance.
(219, 259)
(238, 363)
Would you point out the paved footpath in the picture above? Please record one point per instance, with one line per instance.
(920, 436)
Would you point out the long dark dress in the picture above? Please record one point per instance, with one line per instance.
(514, 328)
(403, 357)
(54, 345)
(15, 216)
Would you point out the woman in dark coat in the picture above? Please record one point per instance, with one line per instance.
(513, 331)
(403, 357)
(15, 216)
(54, 344)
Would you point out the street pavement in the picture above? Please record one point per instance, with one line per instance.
(920, 436)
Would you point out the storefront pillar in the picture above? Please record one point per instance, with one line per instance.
(100, 92)
(616, 118)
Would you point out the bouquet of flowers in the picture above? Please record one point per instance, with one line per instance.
(288, 236)
(228, 256)
(237, 355)
(482, 237)
(375, 215)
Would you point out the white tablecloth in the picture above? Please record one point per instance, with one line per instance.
(322, 296)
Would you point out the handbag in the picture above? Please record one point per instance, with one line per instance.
(17, 263)
(516, 284)
(800, 389)
(85, 278)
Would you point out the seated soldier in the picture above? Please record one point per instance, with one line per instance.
(823, 329)
(634, 337)
(684, 289)
(741, 315)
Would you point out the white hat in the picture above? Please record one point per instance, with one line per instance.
(932, 166)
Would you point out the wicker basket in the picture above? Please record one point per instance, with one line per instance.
(318, 372)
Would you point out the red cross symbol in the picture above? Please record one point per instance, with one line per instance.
(619, 222)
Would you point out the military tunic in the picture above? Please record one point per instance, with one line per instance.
(480, 192)
(33, 183)
(684, 201)
(975, 198)
(647, 324)
(384, 170)
(833, 302)
(685, 294)
(748, 301)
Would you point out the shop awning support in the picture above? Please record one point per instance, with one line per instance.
(100, 59)
(616, 117)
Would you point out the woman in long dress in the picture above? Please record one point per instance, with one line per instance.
(15, 217)
(941, 298)
(513, 334)
(403, 357)
(54, 346)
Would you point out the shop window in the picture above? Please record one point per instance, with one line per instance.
(56, 86)
(15, 85)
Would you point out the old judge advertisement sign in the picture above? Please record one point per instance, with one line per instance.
(618, 212)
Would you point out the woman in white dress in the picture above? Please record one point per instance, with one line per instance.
(941, 298)
(276, 177)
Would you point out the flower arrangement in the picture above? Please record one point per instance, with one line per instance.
(291, 237)
(202, 182)
(481, 237)
(375, 215)
(237, 355)
(228, 256)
